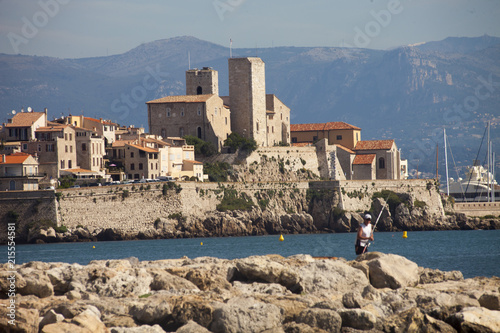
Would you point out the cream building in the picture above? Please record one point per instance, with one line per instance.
(19, 172)
(22, 126)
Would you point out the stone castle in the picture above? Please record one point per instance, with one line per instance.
(202, 113)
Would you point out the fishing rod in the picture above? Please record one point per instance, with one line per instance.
(376, 222)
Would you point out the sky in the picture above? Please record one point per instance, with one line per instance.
(89, 28)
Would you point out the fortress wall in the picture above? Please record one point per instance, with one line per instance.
(29, 206)
(356, 194)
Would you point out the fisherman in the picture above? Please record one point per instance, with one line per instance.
(364, 235)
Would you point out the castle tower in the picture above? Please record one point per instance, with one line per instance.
(247, 94)
(202, 82)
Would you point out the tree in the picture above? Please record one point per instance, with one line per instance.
(236, 141)
(201, 147)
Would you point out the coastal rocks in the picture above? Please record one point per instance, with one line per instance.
(242, 314)
(376, 293)
(390, 271)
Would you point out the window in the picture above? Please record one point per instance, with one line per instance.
(66, 136)
(199, 110)
(66, 149)
(182, 112)
(69, 164)
(93, 161)
(25, 146)
(339, 137)
(272, 129)
(163, 133)
(140, 166)
(381, 163)
(70, 136)
(84, 147)
(226, 120)
(198, 130)
(294, 140)
(132, 166)
(315, 138)
(62, 164)
(181, 132)
(199, 90)
(168, 112)
(39, 147)
(131, 154)
(257, 125)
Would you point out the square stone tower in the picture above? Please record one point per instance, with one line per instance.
(247, 96)
(202, 82)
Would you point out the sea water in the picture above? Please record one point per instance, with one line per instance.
(474, 253)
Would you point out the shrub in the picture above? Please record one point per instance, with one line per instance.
(419, 204)
(125, 194)
(236, 141)
(217, 172)
(233, 201)
(201, 147)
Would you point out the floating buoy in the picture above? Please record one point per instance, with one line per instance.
(281, 238)
(405, 235)
(93, 246)
(201, 243)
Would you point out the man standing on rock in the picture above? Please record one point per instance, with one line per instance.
(364, 235)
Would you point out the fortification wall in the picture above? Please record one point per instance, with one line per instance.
(478, 209)
(26, 208)
(356, 194)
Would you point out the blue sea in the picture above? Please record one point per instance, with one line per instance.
(474, 253)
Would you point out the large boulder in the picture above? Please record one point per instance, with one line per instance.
(192, 327)
(325, 319)
(139, 329)
(414, 320)
(390, 270)
(358, 319)
(329, 277)
(119, 281)
(476, 319)
(37, 283)
(152, 311)
(267, 269)
(18, 320)
(163, 280)
(242, 314)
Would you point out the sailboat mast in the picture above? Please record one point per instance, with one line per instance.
(446, 164)
(488, 161)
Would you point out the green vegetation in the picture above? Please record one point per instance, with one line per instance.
(125, 194)
(59, 195)
(201, 148)
(217, 172)
(145, 296)
(12, 216)
(419, 204)
(178, 217)
(233, 201)
(236, 141)
(66, 181)
(46, 224)
(393, 200)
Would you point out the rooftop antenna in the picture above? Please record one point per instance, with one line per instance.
(189, 60)
(230, 47)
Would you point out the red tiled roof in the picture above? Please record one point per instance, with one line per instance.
(346, 149)
(337, 125)
(25, 119)
(364, 159)
(194, 162)
(121, 143)
(16, 158)
(301, 144)
(184, 99)
(146, 149)
(374, 145)
(105, 122)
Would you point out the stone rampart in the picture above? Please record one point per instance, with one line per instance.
(478, 209)
(26, 208)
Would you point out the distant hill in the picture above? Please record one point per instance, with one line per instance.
(409, 93)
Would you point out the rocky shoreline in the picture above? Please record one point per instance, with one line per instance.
(374, 293)
(252, 223)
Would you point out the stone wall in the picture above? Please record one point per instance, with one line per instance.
(479, 209)
(29, 207)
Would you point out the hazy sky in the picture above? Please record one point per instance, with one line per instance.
(87, 28)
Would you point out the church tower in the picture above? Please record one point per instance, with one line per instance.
(247, 94)
(202, 82)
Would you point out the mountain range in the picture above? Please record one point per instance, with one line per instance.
(409, 94)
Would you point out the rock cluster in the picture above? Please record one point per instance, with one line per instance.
(374, 293)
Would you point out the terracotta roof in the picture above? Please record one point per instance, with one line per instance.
(183, 99)
(301, 144)
(337, 125)
(146, 149)
(374, 145)
(105, 122)
(194, 162)
(364, 159)
(25, 119)
(51, 129)
(79, 170)
(121, 143)
(16, 158)
(163, 143)
(346, 149)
